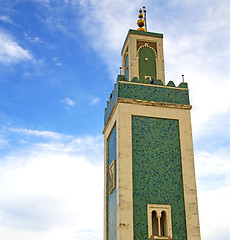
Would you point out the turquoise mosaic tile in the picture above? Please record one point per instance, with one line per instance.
(157, 173)
(147, 92)
(159, 82)
(121, 78)
(112, 198)
(153, 93)
(183, 85)
(171, 84)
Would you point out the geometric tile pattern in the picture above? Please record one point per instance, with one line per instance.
(157, 173)
(147, 92)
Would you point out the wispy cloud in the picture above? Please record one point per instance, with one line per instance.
(3, 143)
(90, 146)
(213, 170)
(39, 133)
(10, 51)
(102, 17)
(58, 23)
(95, 101)
(69, 102)
(57, 61)
(6, 19)
(32, 39)
(46, 3)
(49, 141)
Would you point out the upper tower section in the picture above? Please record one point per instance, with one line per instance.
(142, 54)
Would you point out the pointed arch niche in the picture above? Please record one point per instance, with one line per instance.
(147, 62)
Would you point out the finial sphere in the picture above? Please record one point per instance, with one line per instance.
(141, 22)
(140, 15)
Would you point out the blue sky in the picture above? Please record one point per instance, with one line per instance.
(58, 64)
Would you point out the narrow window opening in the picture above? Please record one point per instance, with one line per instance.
(163, 222)
(154, 224)
(127, 67)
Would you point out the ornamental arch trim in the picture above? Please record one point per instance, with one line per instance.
(147, 46)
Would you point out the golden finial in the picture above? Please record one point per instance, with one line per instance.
(141, 22)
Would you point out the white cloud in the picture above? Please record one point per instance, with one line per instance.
(32, 39)
(111, 20)
(47, 193)
(47, 141)
(39, 133)
(94, 101)
(89, 146)
(213, 177)
(213, 169)
(5, 19)
(57, 61)
(3, 143)
(46, 3)
(10, 51)
(69, 102)
(214, 211)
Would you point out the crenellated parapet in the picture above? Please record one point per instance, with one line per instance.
(148, 92)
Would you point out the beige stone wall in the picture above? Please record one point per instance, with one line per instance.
(107, 131)
(121, 114)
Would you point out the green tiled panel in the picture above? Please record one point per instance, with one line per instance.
(147, 67)
(112, 198)
(157, 173)
(152, 93)
(147, 92)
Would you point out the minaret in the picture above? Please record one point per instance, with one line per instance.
(150, 187)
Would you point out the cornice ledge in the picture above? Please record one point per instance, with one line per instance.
(146, 103)
(152, 103)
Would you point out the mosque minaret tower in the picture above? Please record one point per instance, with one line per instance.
(150, 186)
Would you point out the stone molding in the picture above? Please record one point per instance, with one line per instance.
(145, 103)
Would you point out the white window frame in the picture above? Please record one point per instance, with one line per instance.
(158, 209)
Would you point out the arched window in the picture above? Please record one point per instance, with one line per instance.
(163, 224)
(154, 224)
(147, 63)
(159, 221)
